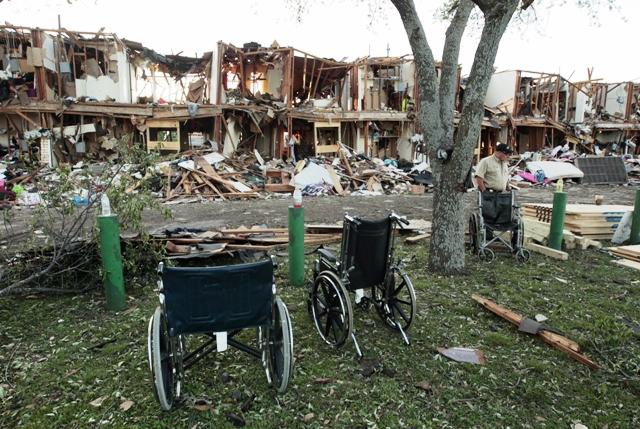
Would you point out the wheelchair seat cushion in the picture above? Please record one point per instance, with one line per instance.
(497, 208)
(217, 299)
(367, 251)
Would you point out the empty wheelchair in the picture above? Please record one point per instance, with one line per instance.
(365, 267)
(219, 302)
(497, 221)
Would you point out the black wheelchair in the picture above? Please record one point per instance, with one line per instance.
(219, 302)
(497, 221)
(366, 263)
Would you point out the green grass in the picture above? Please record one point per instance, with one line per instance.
(50, 375)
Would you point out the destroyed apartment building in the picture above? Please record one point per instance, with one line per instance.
(537, 111)
(66, 94)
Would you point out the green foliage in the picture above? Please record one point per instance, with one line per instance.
(61, 248)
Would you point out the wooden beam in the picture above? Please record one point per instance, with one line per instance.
(558, 341)
(26, 118)
(557, 254)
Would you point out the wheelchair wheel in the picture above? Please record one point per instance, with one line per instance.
(486, 254)
(331, 309)
(474, 233)
(397, 308)
(162, 360)
(517, 236)
(150, 355)
(523, 255)
(280, 343)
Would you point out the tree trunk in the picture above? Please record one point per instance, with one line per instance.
(435, 115)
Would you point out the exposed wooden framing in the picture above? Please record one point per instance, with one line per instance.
(243, 77)
(219, 90)
(315, 89)
(311, 81)
(13, 124)
(304, 73)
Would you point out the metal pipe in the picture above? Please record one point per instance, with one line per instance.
(112, 262)
(635, 222)
(296, 246)
(557, 220)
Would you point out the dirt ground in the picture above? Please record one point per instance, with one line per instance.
(273, 212)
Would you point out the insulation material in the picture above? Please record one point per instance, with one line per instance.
(312, 174)
(81, 87)
(274, 78)
(102, 88)
(92, 68)
(35, 56)
(49, 60)
(231, 138)
(554, 170)
(196, 91)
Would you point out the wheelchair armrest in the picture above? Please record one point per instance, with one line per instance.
(327, 254)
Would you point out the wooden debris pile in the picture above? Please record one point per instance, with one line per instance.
(585, 220)
(198, 178)
(186, 244)
(215, 176)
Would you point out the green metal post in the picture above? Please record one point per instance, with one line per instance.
(296, 246)
(557, 220)
(112, 262)
(635, 222)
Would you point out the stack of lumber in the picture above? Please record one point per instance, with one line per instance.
(630, 255)
(536, 237)
(586, 220)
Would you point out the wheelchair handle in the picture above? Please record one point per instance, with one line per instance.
(399, 219)
(352, 219)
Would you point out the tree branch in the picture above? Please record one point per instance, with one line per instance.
(450, 55)
(497, 18)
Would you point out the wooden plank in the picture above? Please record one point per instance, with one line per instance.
(334, 179)
(557, 254)
(277, 187)
(416, 238)
(249, 247)
(348, 168)
(628, 263)
(26, 118)
(206, 167)
(558, 341)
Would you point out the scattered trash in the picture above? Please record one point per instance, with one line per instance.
(463, 355)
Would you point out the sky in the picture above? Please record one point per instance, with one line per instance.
(562, 41)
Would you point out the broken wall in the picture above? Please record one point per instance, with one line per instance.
(501, 90)
(613, 98)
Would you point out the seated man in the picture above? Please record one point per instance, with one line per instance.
(492, 172)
